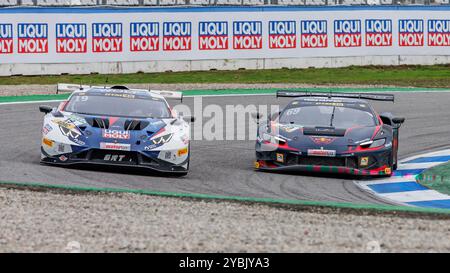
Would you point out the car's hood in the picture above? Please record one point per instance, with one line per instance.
(92, 131)
(325, 137)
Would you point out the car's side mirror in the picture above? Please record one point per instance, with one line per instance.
(189, 118)
(392, 121)
(398, 120)
(45, 109)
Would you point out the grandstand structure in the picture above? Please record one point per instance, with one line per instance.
(64, 3)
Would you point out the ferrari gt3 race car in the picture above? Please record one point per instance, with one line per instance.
(329, 132)
(116, 126)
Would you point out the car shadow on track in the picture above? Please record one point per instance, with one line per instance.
(125, 170)
(321, 175)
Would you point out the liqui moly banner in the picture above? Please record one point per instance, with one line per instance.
(144, 36)
(107, 37)
(6, 38)
(32, 38)
(282, 34)
(213, 35)
(66, 35)
(314, 34)
(71, 38)
(439, 32)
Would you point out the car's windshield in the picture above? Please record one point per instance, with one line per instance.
(119, 106)
(335, 116)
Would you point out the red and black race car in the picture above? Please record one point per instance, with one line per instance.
(329, 132)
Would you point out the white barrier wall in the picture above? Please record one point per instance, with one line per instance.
(85, 40)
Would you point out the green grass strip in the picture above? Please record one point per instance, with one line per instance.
(373, 207)
(411, 75)
(436, 178)
(209, 92)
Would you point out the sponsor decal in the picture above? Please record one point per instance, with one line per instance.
(313, 34)
(47, 129)
(116, 134)
(115, 146)
(289, 128)
(347, 33)
(162, 139)
(107, 37)
(76, 119)
(378, 32)
(321, 152)
(438, 32)
(6, 38)
(79, 142)
(322, 140)
(32, 38)
(68, 129)
(213, 35)
(282, 34)
(182, 152)
(47, 142)
(120, 95)
(280, 157)
(61, 148)
(177, 36)
(247, 35)
(410, 32)
(257, 165)
(168, 155)
(150, 147)
(115, 158)
(158, 141)
(71, 38)
(144, 36)
(63, 158)
(364, 161)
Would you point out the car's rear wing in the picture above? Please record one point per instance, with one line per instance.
(366, 96)
(69, 88)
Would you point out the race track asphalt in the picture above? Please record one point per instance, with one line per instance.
(220, 167)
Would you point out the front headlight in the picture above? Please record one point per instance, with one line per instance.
(162, 139)
(273, 139)
(373, 143)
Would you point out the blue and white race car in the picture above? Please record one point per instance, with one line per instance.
(116, 126)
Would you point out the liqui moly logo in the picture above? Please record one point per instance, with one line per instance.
(177, 36)
(117, 134)
(32, 38)
(6, 38)
(144, 36)
(247, 35)
(313, 34)
(107, 37)
(410, 32)
(282, 34)
(213, 35)
(71, 38)
(378, 32)
(347, 33)
(439, 32)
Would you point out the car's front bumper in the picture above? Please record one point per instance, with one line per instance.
(132, 160)
(366, 163)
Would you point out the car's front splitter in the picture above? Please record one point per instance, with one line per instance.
(267, 166)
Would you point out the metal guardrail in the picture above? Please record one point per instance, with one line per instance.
(62, 3)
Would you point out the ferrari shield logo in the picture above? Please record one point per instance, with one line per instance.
(322, 140)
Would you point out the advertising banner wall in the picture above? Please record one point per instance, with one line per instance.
(84, 35)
